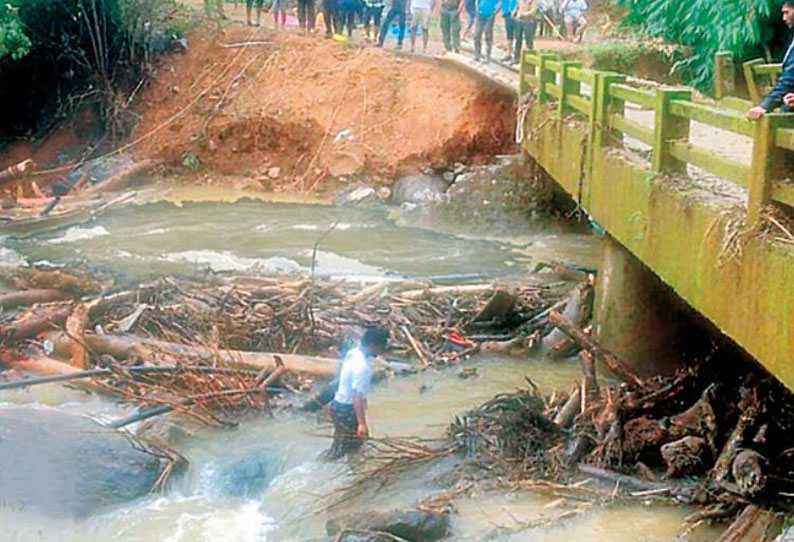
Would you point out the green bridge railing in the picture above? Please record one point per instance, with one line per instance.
(599, 98)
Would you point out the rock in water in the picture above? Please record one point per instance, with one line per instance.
(248, 477)
(412, 525)
(418, 189)
(65, 465)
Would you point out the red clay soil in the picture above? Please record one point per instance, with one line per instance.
(314, 108)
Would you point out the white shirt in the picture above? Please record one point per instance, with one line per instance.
(421, 4)
(355, 377)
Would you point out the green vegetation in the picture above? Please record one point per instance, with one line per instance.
(743, 27)
(65, 55)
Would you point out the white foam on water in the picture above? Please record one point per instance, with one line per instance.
(223, 260)
(155, 231)
(78, 233)
(11, 258)
(330, 263)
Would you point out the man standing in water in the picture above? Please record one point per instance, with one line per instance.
(348, 409)
(782, 92)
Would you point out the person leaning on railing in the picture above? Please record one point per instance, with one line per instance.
(783, 92)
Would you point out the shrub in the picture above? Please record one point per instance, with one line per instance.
(743, 27)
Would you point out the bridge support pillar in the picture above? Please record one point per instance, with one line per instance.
(636, 315)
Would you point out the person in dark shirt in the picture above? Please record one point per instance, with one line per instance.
(783, 91)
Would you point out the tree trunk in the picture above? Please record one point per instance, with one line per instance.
(123, 346)
(30, 297)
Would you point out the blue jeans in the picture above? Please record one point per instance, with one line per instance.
(397, 10)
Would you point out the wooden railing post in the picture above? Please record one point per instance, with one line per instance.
(768, 163)
(568, 86)
(749, 77)
(527, 68)
(724, 75)
(668, 127)
(601, 134)
(545, 76)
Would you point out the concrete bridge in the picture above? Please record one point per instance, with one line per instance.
(685, 188)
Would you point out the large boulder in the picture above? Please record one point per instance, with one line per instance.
(411, 525)
(418, 189)
(66, 465)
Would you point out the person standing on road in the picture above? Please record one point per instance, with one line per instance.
(373, 12)
(420, 17)
(573, 13)
(330, 14)
(306, 15)
(397, 9)
(526, 23)
(471, 14)
(249, 4)
(347, 16)
(508, 7)
(783, 91)
(348, 409)
(279, 9)
(450, 24)
(486, 13)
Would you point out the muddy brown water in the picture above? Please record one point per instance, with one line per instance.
(289, 504)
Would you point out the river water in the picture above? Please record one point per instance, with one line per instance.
(198, 237)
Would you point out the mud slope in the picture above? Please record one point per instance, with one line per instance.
(312, 108)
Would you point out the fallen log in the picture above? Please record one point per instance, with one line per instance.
(124, 346)
(30, 297)
(754, 524)
(447, 290)
(620, 368)
(122, 178)
(32, 325)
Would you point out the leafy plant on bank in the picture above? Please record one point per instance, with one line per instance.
(66, 53)
(743, 27)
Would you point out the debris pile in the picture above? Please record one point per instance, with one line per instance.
(217, 349)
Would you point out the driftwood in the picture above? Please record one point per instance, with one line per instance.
(754, 524)
(163, 409)
(578, 309)
(75, 328)
(684, 456)
(16, 171)
(123, 178)
(33, 324)
(615, 364)
(722, 467)
(749, 472)
(686, 493)
(569, 410)
(124, 346)
(30, 297)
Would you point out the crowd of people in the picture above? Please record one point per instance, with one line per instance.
(521, 20)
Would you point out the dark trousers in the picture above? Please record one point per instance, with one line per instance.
(346, 439)
(450, 29)
(372, 15)
(330, 15)
(484, 26)
(397, 10)
(347, 18)
(471, 12)
(306, 14)
(527, 31)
